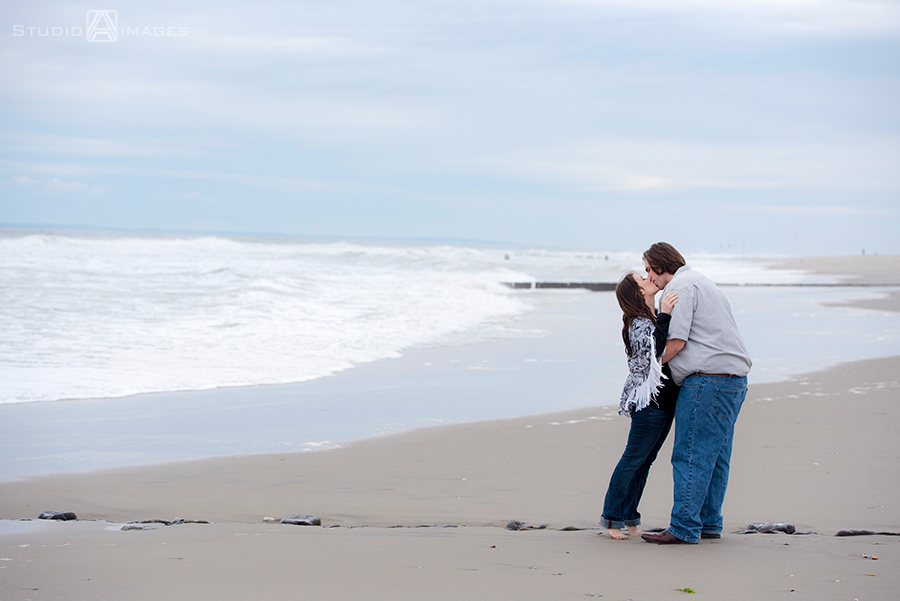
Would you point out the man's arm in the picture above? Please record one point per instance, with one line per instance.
(672, 347)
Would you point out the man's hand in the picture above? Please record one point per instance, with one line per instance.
(673, 345)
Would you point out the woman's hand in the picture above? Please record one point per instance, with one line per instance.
(668, 302)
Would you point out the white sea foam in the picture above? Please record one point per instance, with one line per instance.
(104, 315)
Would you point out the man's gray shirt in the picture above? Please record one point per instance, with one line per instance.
(702, 318)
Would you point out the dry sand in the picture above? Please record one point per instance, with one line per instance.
(864, 270)
(881, 270)
(820, 451)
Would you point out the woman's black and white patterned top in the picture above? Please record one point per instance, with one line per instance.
(644, 370)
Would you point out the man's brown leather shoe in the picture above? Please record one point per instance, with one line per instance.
(663, 538)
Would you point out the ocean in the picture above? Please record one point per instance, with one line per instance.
(100, 315)
(122, 349)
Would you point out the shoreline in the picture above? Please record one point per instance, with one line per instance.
(830, 391)
(818, 451)
(569, 358)
(465, 383)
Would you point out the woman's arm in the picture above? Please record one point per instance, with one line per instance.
(662, 322)
(661, 332)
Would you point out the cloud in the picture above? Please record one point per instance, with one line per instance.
(206, 101)
(810, 210)
(864, 163)
(49, 168)
(57, 185)
(306, 46)
(784, 17)
(23, 180)
(84, 146)
(194, 195)
(644, 182)
(271, 182)
(805, 210)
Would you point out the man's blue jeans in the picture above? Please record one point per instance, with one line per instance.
(649, 428)
(705, 414)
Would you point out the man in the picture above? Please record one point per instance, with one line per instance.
(710, 362)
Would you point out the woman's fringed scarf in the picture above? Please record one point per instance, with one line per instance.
(644, 369)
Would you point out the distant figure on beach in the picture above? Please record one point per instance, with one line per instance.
(709, 361)
(648, 398)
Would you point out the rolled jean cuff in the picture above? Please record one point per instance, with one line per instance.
(613, 524)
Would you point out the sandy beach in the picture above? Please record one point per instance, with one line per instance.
(859, 269)
(423, 514)
(866, 270)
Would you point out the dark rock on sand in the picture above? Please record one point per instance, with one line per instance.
(865, 533)
(174, 522)
(302, 520)
(772, 528)
(58, 515)
(517, 525)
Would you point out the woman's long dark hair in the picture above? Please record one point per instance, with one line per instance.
(632, 302)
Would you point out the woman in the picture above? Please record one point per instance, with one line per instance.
(648, 397)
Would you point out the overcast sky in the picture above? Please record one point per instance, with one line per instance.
(755, 126)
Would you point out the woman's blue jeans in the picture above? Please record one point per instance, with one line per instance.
(649, 428)
(705, 414)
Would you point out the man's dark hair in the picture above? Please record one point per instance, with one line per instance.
(663, 258)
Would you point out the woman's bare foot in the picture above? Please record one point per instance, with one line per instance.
(617, 534)
(633, 531)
